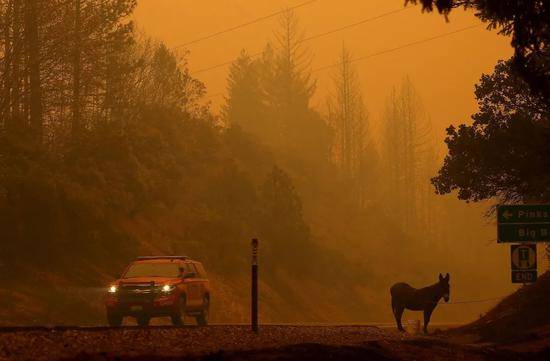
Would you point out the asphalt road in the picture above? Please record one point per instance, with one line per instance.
(236, 343)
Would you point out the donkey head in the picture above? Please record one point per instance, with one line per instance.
(444, 286)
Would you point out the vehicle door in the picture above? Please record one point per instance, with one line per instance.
(193, 286)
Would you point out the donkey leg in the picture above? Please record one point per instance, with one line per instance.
(395, 310)
(398, 313)
(427, 316)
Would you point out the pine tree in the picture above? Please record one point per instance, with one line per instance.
(51, 85)
(270, 97)
(300, 130)
(348, 117)
(352, 148)
(406, 130)
(245, 102)
(162, 79)
(34, 64)
(279, 201)
(77, 69)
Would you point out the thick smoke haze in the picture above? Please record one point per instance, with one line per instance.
(443, 71)
(122, 135)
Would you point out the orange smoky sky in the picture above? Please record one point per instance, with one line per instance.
(443, 70)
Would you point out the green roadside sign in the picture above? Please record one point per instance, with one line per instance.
(523, 223)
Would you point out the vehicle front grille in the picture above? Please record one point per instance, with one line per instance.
(137, 292)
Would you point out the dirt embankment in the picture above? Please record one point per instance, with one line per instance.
(522, 316)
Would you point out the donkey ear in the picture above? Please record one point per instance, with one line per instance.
(440, 277)
(447, 277)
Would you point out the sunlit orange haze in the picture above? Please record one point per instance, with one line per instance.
(132, 159)
(443, 71)
(292, 179)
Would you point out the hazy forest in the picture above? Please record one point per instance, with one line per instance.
(109, 149)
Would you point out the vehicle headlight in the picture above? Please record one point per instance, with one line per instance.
(113, 289)
(167, 288)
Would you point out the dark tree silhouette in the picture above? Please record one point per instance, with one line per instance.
(246, 99)
(32, 44)
(280, 201)
(504, 153)
(526, 21)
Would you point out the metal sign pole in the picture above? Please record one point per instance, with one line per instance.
(254, 288)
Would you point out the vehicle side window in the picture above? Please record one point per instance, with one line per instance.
(190, 268)
(201, 271)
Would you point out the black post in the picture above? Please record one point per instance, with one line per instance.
(254, 293)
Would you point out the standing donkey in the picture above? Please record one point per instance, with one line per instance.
(403, 296)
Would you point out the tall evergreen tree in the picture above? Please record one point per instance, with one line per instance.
(34, 63)
(352, 148)
(270, 97)
(348, 117)
(50, 84)
(300, 130)
(406, 130)
(245, 102)
(162, 79)
(280, 201)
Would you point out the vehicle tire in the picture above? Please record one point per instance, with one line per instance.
(178, 318)
(143, 321)
(114, 319)
(202, 319)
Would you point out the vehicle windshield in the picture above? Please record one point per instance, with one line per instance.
(170, 270)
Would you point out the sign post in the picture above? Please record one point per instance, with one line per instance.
(254, 286)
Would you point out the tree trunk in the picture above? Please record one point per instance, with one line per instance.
(6, 91)
(33, 54)
(16, 120)
(77, 66)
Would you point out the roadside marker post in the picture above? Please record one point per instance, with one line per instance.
(254, 286)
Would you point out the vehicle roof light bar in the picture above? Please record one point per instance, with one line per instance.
(145, 258)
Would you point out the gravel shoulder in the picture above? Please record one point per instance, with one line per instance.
(238, 343)
(170, 342)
